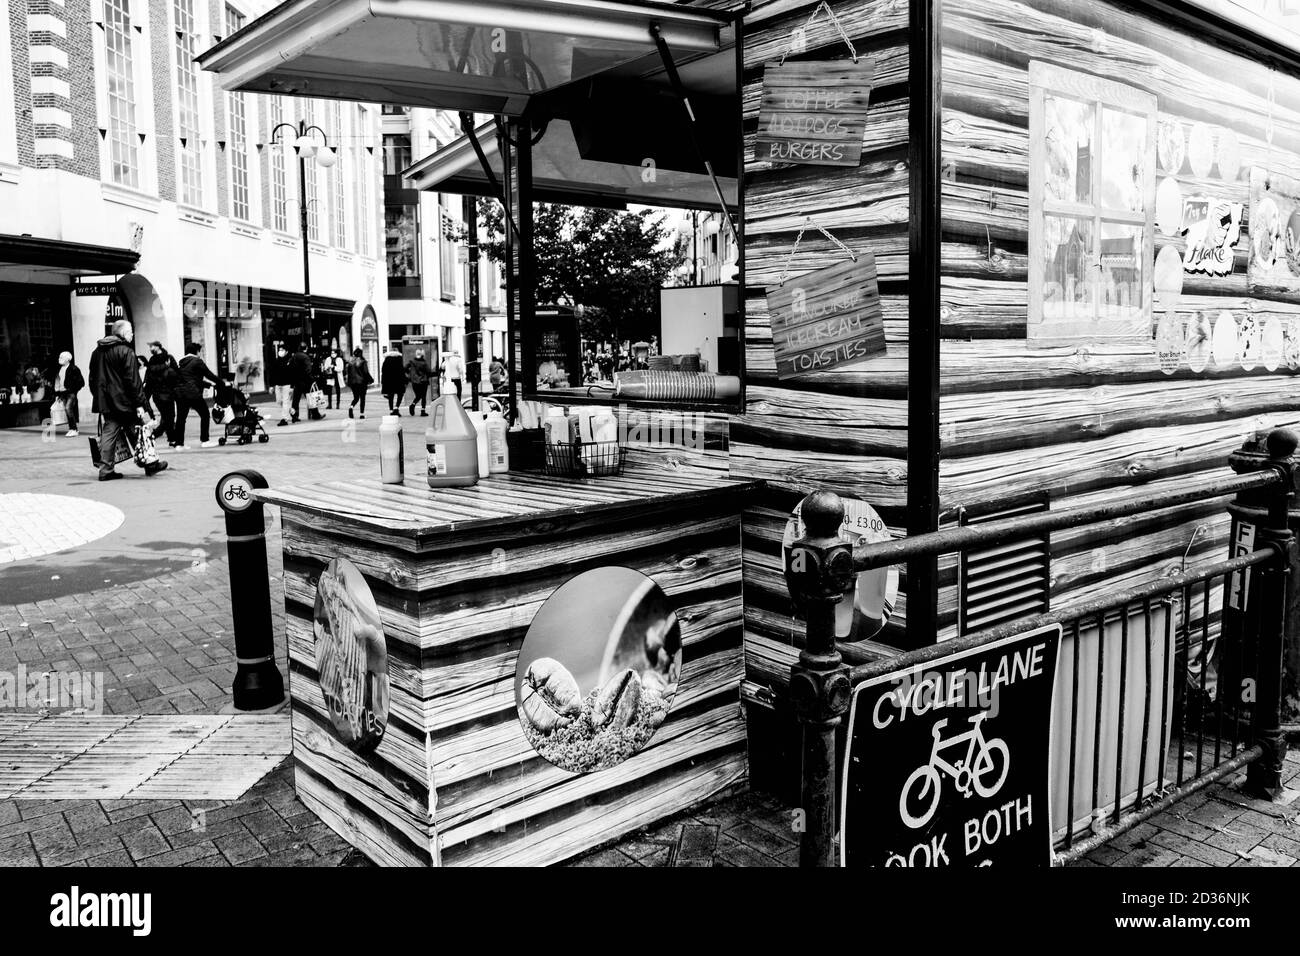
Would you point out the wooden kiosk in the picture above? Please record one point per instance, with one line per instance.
(1076, 225)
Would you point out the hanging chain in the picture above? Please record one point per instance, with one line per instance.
(810, 221)
(824, 6)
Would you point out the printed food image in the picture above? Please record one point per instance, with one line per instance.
(351, 657)
(1266, 230)
(598, 669)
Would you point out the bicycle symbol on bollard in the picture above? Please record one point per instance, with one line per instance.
(983, 769)
(236, 491)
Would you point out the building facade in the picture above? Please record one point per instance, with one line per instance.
(132, 185)
(427, 263)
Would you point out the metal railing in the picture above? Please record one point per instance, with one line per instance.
(1160, 637)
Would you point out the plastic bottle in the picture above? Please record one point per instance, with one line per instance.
(498, 448)
(452, 442)
(481, 439)
(392, 451)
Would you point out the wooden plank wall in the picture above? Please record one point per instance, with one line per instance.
(842, 429)
(454, 781)
(1092, 422)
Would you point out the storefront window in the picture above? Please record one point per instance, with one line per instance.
(1091, 171)
(397, 153)
(401, 231)
(35, 325)
(239, 352)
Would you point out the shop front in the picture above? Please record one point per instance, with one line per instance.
(241, 327)
(37, 278)
(996, 257)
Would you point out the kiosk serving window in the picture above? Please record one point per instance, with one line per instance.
(1091, 206)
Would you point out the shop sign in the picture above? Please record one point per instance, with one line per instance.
(557, 352)
(94, 288)
(814, 112)
(947, 763)
(827, 319)
(369, 330)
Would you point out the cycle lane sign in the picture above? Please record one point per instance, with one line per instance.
(947, 763)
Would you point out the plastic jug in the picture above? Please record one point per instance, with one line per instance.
(498, 447)
(452, 443)
(481, 435)
(392, 464)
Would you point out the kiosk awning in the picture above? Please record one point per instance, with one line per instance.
(562, 175)
(486, 56)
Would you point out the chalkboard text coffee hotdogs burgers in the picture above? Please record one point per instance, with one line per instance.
(814, 112)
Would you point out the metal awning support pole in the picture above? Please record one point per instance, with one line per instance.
(498, 191)
(673, 78)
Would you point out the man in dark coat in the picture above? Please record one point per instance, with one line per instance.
(160, 381)
(417, 373)
(300, 377)
(392, 381)
(192, 377)
(118, 399)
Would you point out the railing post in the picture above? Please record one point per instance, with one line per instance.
(1271, 589)
(819, 573)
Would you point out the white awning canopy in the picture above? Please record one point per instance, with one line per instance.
(485, 56)
(560, 174)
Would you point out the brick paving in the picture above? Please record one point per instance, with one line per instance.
(153, 614)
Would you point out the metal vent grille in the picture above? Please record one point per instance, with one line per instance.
(1006, 582)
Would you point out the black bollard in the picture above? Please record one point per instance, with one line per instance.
(258, 685)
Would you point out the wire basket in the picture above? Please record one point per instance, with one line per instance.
(596, 459)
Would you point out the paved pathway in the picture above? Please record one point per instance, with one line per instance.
(147, 605)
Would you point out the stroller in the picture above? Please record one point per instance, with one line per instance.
(241, 422)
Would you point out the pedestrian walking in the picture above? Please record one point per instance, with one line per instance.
(161, 378)
(392, 380)
(68, 381)
(300, 379)
(417, 373)
(359, 379)
(282, 380)
(193, 375)
(334, 369)
(118, 400)
(453, 369)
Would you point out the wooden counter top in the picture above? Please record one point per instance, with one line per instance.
(413, 513)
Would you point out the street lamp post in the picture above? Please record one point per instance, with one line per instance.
(307, 148)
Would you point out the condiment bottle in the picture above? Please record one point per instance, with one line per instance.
(392, 451)
(452, 442)
(481, 441)
(498, 447)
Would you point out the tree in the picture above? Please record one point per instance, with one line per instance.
(608, 263)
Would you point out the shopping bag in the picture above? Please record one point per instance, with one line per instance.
(142, 446)
(94, 452)
(315, 398)
(58, 412)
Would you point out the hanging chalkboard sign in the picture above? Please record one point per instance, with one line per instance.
(827, 319)
(814, 112)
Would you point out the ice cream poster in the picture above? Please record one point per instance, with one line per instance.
(1274, 233)
(1212, 227)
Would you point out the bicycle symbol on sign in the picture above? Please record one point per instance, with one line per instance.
(236, 491)
(983, 769)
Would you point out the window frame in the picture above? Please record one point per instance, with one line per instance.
(237, 104)
(191, 41)
(1047, 79)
